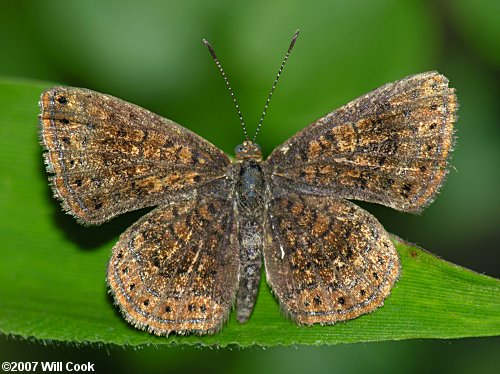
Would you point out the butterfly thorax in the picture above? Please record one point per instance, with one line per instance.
(249, 179)
(250, 188)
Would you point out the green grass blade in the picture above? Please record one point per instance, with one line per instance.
(52, 270)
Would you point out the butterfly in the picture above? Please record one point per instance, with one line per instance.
(182, 266)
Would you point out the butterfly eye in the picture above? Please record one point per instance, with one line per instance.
(239, 149)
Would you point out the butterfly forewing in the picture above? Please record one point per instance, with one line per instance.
(110, 156)
(389, 146)
(327, 260)
(176, 269)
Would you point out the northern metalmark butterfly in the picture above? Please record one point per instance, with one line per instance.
(182, 266)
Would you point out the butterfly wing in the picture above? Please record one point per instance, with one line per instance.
(176, 269)
(389, 146)
(326, 259)
(109, 156)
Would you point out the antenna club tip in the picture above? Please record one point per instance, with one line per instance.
(210, 48)
(294, 39)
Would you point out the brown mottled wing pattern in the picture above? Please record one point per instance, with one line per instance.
(176, 269)
(326, 259)
(389, 146)
(109, 156)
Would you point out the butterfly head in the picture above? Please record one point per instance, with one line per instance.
(248, 150)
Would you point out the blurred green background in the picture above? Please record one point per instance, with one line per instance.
(150, 53)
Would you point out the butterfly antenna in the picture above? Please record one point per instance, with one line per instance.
(292, 43)
(214, 56)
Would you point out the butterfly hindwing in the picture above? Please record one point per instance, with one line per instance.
(176, 269)
(326, 259)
